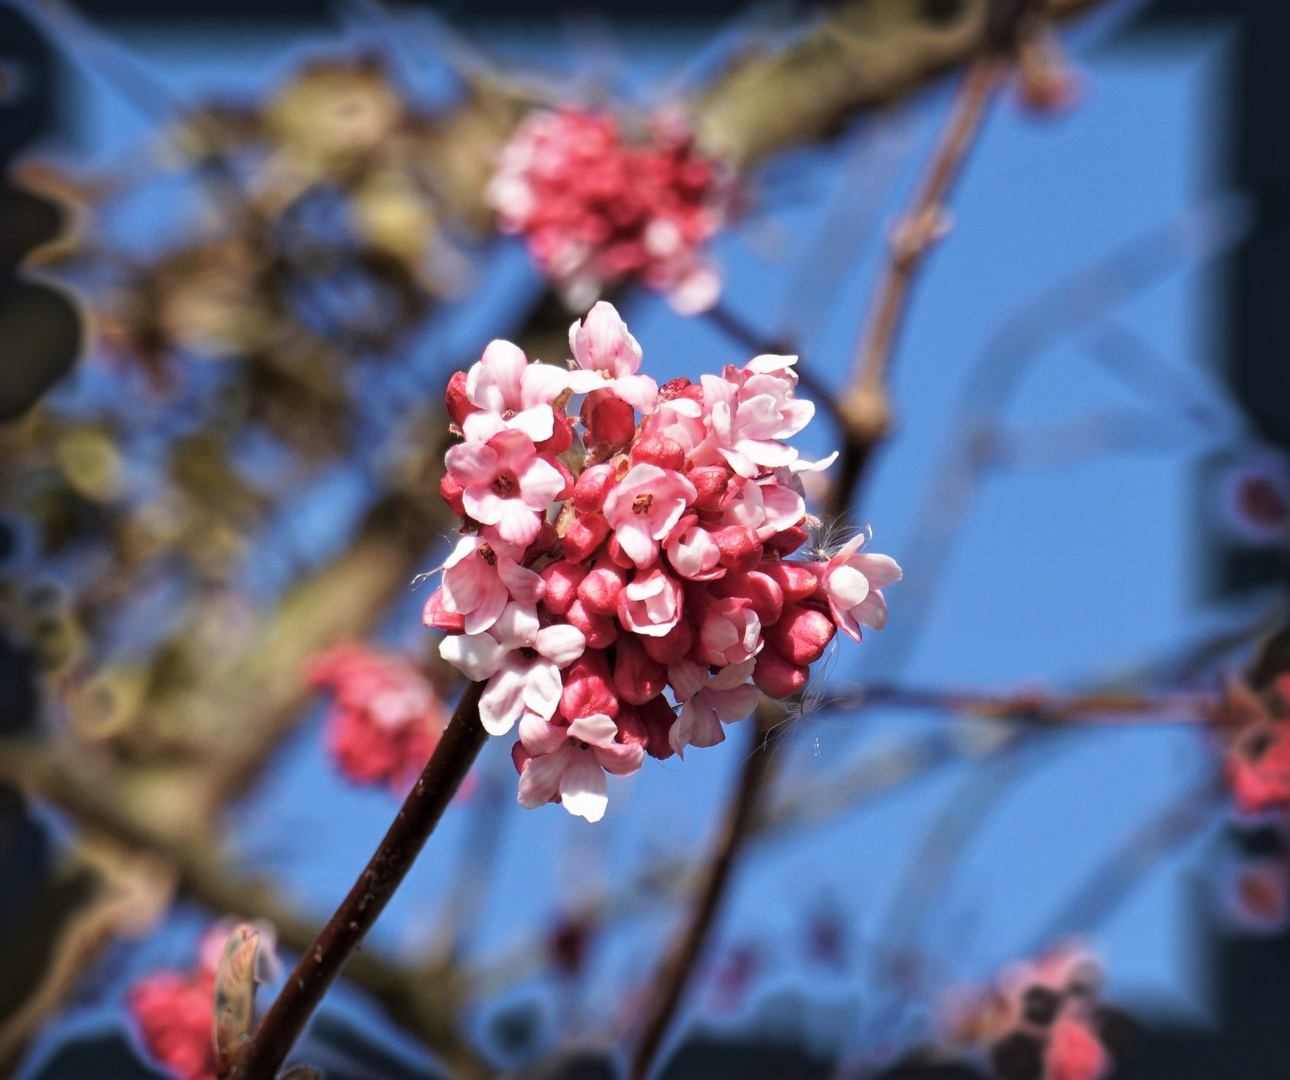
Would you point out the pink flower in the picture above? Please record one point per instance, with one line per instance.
(693, 553)
(568, 764)
(765, 506)
(708, 700)
(650, 604)
(521, 661)
(608, 358)
(729, 632)
(387, 719)
(643, 508)
(753, 410)
(594, 208)
(505, 484)
(479, 579)
(852, 581)
(511, 393)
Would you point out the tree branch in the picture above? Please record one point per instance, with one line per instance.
(319, 967)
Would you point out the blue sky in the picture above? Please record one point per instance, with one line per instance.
(1059, 577)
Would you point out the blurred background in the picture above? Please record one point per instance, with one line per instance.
(242, 248)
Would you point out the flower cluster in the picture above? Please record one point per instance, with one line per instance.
(386, 720)
(174, 1012)
(1045, 1021)
(594, 208)
(638, 605)
(1258, 760)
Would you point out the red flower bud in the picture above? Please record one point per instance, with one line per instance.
(584, 535)
(599, 630)
(797, 580)
(459, 406)
(788, 540)
(710, 481)
(801, 634)
(776, 677)
(761, 591)
(647, 725)
(600, 588)
(610, 420)
(661, 451)
(637, 677)
(587, 687)
(451, 491)
(562, 580)
(593, 487)
(740, 548)
(673, 646)
(437, 618)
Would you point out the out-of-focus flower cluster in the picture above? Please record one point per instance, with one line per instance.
(1045, 1020)
(595, 207)
(638, 604)
(386, 719)
(173, 1011)
(1258, 760)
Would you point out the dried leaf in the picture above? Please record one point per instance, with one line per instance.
(235, 995)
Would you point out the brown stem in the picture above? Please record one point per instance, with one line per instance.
(865, 406)
(865, 417)
(669, 986)
(345, 930)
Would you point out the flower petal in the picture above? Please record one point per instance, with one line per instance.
(477, 656)
(583, 788)
(502, 702)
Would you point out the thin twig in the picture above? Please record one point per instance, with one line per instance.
(862, 437)
(319, 967)
(865, 407)
(674, 976)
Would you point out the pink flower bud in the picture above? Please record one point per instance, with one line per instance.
(451, 491)
(599, 630)
(797, 580)
(672, 646)
(437, 617)
(710, 481)
(584, 535)
(740, 548)
(661, 451)
(610, 420)
(1074, 1052)
(587, 687)
(647, 725)
(637, 677)
(674, 388)
(459, 405)
(600, 588)
(561, 435)
(562, 580)
(776, 677)
(593, 487)
(761, 591)
(801, 634)
(787, 541)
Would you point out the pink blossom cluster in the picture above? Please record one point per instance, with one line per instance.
(595, 208)
(636, 605)
(174, 1012)
(1045, 1020)
(386, 719)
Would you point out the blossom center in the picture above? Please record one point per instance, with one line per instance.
(528, 653)
(643, 504)
(488, 554)
(504, 483)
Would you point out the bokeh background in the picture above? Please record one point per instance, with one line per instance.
(231, 461)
